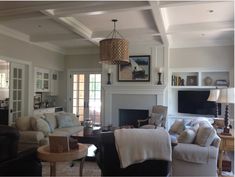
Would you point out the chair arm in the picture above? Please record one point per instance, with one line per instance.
(194, 153)
(142, 120)
(31, 136)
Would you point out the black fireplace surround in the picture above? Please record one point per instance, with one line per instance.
(130, 116)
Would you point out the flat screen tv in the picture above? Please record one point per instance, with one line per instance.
(195, 102)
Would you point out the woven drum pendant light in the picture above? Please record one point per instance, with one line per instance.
(114, 50)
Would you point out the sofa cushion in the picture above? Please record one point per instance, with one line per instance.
(74, 118)
(194, 153)
(205, 135)
(188, 135)
(42, 125)
(33, 121)
(177, 127)
(64, 120)
(23, 123)
(155, 119)
(51, 119)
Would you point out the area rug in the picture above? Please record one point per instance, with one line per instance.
(64, 169)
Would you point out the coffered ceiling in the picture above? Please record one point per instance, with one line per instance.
(67, 26)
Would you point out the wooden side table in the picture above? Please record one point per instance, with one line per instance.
(45, 154)
(227, 144)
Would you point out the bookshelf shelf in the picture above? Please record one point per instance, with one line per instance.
(199, 79)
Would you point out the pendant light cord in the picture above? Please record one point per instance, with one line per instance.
(114, 33)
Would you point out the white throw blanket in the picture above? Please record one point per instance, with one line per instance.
(137, 145)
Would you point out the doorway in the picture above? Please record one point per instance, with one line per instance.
(85, 95)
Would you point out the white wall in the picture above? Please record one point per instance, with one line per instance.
(221, 56)
(39, 57)
(82, 61)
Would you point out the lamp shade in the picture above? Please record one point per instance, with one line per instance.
(226, 96)
(114, 51)
(214, 95)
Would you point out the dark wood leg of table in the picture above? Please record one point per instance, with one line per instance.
(81, 166)
(52, 169)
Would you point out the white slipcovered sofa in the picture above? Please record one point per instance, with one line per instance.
(197, 151)
(35, 130)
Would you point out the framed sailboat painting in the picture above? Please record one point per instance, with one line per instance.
(137, 70)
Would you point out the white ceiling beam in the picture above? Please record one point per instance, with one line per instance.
(53, 37)
(211, 26)
(107, 7)
(166, 4)
(128, 32)
(74, 25)
(158, 19)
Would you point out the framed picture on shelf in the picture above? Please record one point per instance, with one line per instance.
(191, 80)
(138, 70)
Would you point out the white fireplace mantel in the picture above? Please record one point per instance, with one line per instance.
(110, 90)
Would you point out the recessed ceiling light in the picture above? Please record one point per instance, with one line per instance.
(211, 11)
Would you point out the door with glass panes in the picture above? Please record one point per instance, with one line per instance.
(86, 95)
(16, 105)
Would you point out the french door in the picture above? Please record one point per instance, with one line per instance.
(16, 101)
(85, 95)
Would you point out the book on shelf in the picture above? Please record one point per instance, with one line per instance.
(177, 81)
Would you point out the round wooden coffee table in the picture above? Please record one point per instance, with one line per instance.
(45, 154)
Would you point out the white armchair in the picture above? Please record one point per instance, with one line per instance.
(196, 160)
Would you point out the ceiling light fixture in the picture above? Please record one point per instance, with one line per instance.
(114, 50)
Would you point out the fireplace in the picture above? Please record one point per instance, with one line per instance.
(130, 116)
(137, 97)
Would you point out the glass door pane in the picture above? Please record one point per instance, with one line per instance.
(95, 97)
(78, 95)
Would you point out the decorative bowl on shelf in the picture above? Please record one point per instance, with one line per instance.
(208, 81)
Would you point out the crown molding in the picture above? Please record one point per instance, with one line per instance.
(201, 44)
(26, 38)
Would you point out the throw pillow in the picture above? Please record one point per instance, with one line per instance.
(33, 121)
(156, 119)
(64, 121)
(51, 119)
(205, 135)
(74, 118)
(23, 123)
(42, 125)
(188, 135)
(177, 127)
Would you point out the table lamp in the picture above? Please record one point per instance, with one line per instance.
(226, 96)
(213, 97)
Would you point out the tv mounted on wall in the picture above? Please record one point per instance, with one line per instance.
(195, 102)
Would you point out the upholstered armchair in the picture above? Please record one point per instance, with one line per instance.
(13, 162)
(156, 119)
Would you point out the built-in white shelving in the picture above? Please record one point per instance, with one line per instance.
(199, 79)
